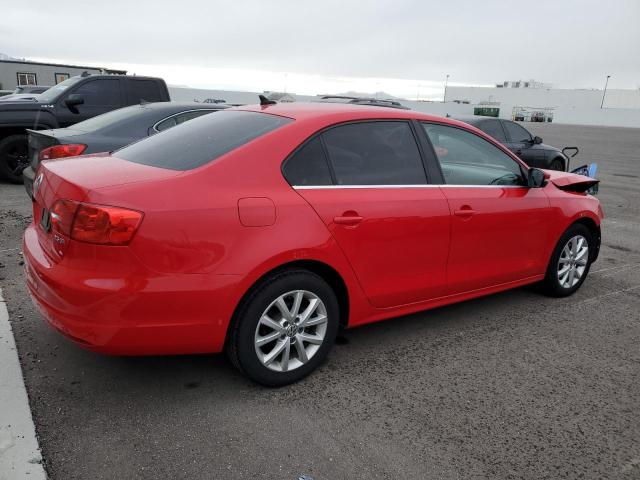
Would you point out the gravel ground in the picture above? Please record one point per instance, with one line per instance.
(515, 385)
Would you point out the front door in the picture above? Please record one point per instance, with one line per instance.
(520, 142)
(100, 96)
(499, 226)
(367, 182)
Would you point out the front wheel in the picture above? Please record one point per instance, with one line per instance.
(570, 262)
(284, 328)
(557, 164)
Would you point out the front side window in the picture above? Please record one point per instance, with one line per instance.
(201, 140)
(27, 79)
(100, 93)
(517, 133)
(308, 166)
(374, 153)
(493, 129)
(467, 159)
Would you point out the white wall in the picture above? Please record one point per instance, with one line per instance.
(581, 107)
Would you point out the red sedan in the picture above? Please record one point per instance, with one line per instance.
(261, 230)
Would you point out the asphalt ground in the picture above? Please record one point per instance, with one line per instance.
(515, 385)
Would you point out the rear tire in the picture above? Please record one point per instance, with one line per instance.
(284, 328)
(557, 164)
(570, 262)
(14, 157)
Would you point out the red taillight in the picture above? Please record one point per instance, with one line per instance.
(91, 223)
(61, 151)
(62, 214)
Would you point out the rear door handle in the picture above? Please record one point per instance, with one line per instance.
(464, 212)
(348, 218)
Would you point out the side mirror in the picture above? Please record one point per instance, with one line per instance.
(74, 99)
(537, 140)
(535, 178)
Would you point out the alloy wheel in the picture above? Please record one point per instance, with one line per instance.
(291, 330)
(573, 261)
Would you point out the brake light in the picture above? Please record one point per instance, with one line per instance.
(61, 151)
(62, 214)
(91, 223)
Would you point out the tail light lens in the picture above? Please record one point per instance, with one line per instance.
(99, 224)
(61, 151)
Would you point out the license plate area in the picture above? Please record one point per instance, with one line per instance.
(45, 220)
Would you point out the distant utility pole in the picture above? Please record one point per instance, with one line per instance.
(446, 80)
(605, 91)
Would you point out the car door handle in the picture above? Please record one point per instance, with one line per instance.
(464, 212)
(348, 218)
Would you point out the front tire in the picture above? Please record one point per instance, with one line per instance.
(14, 157)
(284, 328)
(557, 164)
(570, 262)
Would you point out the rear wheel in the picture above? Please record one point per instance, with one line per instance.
(570, 262)
(285, 328)
(14, 157)
(557, 164)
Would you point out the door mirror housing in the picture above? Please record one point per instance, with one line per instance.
(535, 178)
(537, 140)
(73, 100)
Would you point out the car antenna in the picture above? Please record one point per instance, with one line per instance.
(265, 101)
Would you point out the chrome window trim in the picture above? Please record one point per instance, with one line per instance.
(333, 187)
(180, 113)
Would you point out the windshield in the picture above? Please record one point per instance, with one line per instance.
(54, 92)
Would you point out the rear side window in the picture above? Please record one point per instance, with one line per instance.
(493, 129)
(147, 90)
(374, 153)
(174, 120)
(308, 166)
(201, 140)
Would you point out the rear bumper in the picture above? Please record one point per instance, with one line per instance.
(111, 310)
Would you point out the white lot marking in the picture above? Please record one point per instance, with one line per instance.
(619, 267)
(615, 292)
(19, 451)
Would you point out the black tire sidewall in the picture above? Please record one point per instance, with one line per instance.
(5, 143)
(551, 280)
(554, 162)
(255, 306)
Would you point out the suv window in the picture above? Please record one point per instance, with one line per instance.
(308, 166)
(201, 140)
(467, 159)
(516, 132)
(105, 92)
(147, 90)
(374, 153)
(493, 129)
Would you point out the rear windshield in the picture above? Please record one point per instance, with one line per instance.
(107, 119)
(200, 140)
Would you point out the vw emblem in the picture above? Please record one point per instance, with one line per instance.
(36, 183)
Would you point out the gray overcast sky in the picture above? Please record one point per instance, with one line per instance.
(399, 46)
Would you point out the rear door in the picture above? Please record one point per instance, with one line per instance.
(367, 182)
(499, 226)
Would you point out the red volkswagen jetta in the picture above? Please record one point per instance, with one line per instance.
(261, 230)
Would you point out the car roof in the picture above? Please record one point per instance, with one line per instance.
(179, 106)
(341, 112)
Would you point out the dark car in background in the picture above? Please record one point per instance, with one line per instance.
(74, 100)
(518, 139)
(109, 131)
